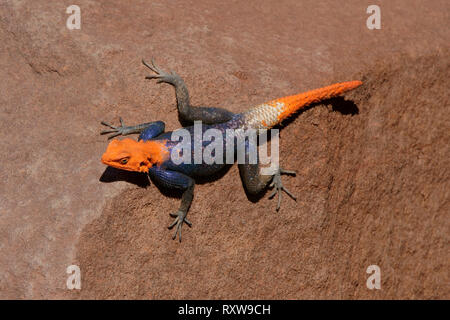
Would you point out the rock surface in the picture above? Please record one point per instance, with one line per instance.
(373, 167)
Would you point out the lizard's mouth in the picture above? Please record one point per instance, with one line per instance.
(105, 160)
(143, 168)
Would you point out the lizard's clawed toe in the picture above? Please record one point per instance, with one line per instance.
(291, 172)
(160, 74)
(116, 131)
(277, 184)
(180, 217)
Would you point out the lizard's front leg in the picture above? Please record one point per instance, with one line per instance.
(187, 112)
(147, 130)
(172, 179)
(180, 215)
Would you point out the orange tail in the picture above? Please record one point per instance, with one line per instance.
(270, 114)
(298, 101)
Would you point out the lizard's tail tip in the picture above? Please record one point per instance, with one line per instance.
(353, 84)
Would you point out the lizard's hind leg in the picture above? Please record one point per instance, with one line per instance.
(187, 112)
(255, 182)
(278, 187)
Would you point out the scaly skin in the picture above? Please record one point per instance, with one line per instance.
(151, 153)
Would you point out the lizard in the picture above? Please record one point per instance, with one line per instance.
(151, 152)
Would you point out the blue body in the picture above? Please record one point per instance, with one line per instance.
(180, 176)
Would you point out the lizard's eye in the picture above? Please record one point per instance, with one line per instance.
(124, 160)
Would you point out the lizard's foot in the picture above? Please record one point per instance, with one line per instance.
(161, 75)
(116, 131)
(180, 217)
(278, 186)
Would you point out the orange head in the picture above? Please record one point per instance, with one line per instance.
(131, 155)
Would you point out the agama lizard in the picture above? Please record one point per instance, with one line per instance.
(151, 153)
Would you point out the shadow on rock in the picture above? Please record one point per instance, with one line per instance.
(112, 174)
